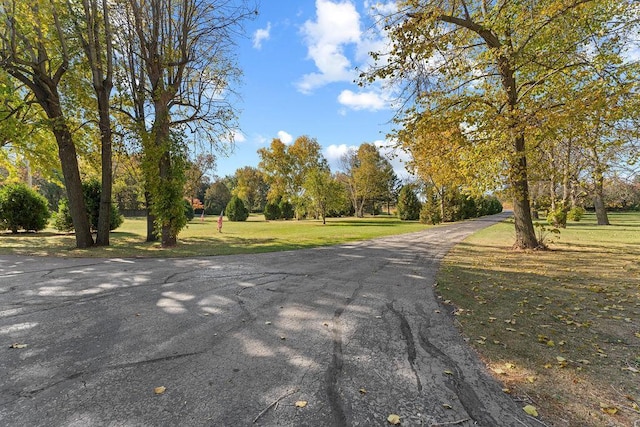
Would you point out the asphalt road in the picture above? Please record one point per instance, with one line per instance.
(354, 330)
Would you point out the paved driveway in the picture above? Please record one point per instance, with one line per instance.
(354, 330)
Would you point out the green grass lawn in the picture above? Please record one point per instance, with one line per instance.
(560, 328)
(200, 238)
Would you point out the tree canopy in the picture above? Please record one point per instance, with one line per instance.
(494, 72)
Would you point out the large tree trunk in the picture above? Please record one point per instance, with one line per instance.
(598, 199)
(169, 237)
(73, 183)
(525, 234)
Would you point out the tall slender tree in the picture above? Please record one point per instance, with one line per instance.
(37, 49)
(181, 73)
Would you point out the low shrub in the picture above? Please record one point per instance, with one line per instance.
(22, 208)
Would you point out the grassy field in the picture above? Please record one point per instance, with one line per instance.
(559, 328)
(200, 238)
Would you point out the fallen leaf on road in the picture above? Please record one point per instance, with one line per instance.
(267, 323)
(531, 410)
(394, 419)
(159, 390)
(362, 391)
(16, 345)
(301, 403)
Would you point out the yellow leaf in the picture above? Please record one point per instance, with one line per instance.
(448, 372)
(550, 343)
(394, 419)
(531, 379)
(531, 410)
(446, 405)
(159, 390)
(362, 391)
(301, 403)
(607, 409)
(560, 359)
(506, 390)
(547, 366)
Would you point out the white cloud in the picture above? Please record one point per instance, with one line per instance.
(261, 35)
(337, 24)
(334, 152)
(285, 137)
(396, 156)
(371, 101)
(238, 136)
(382, 8)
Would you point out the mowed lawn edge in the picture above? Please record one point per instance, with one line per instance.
(559, 328)
(201, 237)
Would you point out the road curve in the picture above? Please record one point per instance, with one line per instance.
(354, 330)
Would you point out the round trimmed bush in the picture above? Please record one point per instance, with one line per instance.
(286, 210)
(236, 210)
(271, 211)
(23, 208)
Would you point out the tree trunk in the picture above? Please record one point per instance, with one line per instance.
(598, 199)
(525, 234)
(168, 236)
(152, 236)
(72, 183)
(104, 214)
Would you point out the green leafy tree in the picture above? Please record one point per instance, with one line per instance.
(180, 66)
(251, 187)
(36, 49)
(22, 208)
(371, 175)
(324, 191)
(494, 68)
(285, 168)
(216, 198)
(408, 204)
(236, 210)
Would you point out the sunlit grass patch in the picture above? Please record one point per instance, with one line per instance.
(567, 320)
(201, 238)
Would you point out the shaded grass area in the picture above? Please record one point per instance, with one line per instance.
(560, 328)
(201, 238)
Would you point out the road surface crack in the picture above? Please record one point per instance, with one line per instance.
(335, 368)
(405, 329)
(456, 382)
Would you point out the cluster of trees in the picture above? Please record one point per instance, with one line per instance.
(299, 175)
(172, 66)
(505, 95)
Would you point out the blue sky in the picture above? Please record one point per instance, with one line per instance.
(299, 62)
